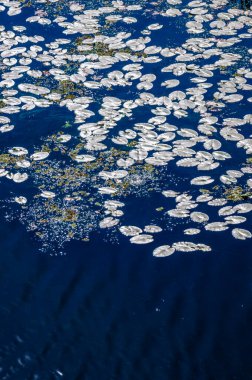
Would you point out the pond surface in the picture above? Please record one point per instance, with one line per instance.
(125, 201)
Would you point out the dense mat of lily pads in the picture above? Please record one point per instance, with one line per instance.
(148, 118)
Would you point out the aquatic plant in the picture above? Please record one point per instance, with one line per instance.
(147, 120)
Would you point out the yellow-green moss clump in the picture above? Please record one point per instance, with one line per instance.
(237, 193)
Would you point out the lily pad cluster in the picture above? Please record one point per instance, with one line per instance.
(157, 118)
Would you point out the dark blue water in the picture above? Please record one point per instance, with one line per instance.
(110, 312)
(103, 311)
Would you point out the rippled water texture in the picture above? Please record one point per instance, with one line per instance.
(125, 134)
(113, 313)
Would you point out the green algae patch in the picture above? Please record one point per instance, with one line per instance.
(237, 194)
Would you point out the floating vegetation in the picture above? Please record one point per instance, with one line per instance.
(237, 193)
(142, 239)
(155, 128)
(186, 246)
(163, 251)
(241, 234)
